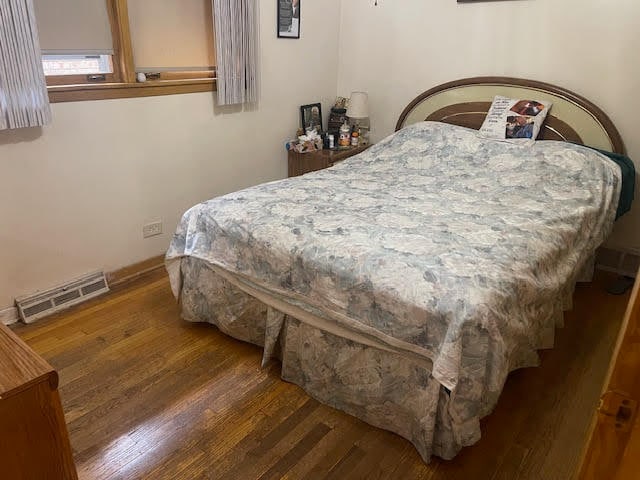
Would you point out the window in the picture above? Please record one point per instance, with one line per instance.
(76, 41)
(94, 49)
(76, 64)
(171, 37)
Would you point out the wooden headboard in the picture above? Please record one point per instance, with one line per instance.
(466, 103)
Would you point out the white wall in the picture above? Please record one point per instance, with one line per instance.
(74, 196)
(401, 48)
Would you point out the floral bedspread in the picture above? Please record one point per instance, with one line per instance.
(435, 242)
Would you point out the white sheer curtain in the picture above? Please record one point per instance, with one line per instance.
(23, 92)
(236, 31)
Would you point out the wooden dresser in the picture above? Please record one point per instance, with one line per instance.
(34, 443)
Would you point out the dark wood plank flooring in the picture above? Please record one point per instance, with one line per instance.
(147, 395)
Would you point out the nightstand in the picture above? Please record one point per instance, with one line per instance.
(301, 163)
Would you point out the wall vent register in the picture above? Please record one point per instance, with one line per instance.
(38, 305)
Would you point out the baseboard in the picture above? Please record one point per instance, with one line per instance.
(123, 275)
(9, 315)
(131, 272)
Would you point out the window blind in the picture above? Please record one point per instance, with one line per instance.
(23, 93)
(68, 27)
(172, 35)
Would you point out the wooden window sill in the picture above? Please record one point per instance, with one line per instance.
(104, 91)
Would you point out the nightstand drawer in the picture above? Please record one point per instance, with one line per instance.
(301, 163)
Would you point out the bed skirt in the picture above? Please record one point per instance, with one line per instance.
(383, 388)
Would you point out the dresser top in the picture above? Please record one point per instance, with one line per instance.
(20, 366)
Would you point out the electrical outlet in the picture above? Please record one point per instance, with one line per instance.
(151, 229)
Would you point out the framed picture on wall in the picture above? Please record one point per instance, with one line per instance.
(289, 18)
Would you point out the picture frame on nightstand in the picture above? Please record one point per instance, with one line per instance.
(311, 117)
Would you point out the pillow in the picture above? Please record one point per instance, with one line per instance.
(510, 118)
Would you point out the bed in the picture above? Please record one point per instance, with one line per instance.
(404, 284)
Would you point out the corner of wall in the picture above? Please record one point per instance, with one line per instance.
(339, 68)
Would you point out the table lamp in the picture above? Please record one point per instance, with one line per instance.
(358, 113)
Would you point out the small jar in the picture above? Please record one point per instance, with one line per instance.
(345, 135)
(355, 137)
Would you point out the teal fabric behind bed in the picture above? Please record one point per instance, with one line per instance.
(628, 180)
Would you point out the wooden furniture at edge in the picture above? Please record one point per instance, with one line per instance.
(613, 450)
(34, 442)
(301, 163)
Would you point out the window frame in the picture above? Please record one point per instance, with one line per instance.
(122, 82)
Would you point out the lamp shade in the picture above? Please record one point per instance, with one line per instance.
(358, 105)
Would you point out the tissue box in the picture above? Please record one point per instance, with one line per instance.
(308, 146)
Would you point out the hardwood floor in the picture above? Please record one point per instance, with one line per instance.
(147, 395)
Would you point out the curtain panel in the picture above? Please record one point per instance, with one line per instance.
(236, 31)
(23, 92)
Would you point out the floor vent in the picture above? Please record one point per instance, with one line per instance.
(38, 305)
(622, 262)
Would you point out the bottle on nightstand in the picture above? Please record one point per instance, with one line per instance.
(345, 135)
(355, 137)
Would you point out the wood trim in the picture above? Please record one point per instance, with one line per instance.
(598, 114)
(123, 51)
(188, 75)
(607, 440)
(105, 91)
(79, 79)
(134, 271)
